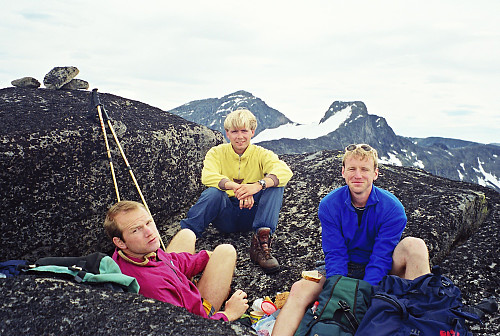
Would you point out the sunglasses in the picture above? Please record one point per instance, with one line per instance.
(364, 147)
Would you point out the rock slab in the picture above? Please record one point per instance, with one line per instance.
(59, 76)
(76, 84)
(26, 82)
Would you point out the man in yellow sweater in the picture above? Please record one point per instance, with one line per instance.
(245, 189)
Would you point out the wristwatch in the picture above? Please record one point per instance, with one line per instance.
(262, 184)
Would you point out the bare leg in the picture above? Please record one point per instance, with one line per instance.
(410, 259)
(215, 283)
(302, 295)
(183, 241)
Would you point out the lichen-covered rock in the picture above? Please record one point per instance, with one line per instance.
(26, 82)
(54, 306)
(55, 187)
(76, 84)
(59, 76)
(55, 180)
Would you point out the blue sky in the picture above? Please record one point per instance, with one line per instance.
(431, 68)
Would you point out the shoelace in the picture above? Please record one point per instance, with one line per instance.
(264, 246)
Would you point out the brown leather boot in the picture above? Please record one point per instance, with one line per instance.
(260, 251)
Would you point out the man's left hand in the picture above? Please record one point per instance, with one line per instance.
(246, 190)
(247, 202)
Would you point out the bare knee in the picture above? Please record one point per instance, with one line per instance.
(186, 234)
(414, 246)
(410, 258)
(183, 241)
(304, 292)
(410, 250)
(297, 288)
(226, 251)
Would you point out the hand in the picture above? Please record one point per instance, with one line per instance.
(247, 202)
(246, 190)
(230, 185)
(237, 305)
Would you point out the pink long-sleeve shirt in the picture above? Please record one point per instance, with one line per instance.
(166, 278)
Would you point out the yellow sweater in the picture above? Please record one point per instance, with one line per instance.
(256, 162)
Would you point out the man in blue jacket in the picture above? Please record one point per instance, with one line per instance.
(361, 231)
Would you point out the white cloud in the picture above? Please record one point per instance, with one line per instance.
(411, 63)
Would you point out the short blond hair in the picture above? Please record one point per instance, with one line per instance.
(110, 226)
(240, 118)
(362, 154)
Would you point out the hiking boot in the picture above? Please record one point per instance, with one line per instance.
(260, 251)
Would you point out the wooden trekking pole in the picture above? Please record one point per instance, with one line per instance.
(97, 101)
(97, 104)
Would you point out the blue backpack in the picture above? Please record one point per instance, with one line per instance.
(10, 268)
(428, 305)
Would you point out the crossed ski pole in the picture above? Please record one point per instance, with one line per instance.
(103, 116)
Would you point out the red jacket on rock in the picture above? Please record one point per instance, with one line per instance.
(166, 278)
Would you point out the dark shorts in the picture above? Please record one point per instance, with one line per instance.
(355, 270)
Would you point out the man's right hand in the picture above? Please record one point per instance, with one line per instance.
(230, 185)
(237, 305)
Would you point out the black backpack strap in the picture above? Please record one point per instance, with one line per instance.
(81, 265)
(488, 305)
(353, 321)
(80, 269)
(436, 270)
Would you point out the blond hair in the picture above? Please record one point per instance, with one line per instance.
(361, 154)
(110, 226)
(240, 118)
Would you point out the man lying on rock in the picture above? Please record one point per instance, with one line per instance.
(164, 275)
(245, 189)
(361, 231)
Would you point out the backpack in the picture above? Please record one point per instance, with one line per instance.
(96, 269)
(10, 268)
(343, 302)
(428, 305)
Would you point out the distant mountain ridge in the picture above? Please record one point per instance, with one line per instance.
(213, 111)
(349, 122)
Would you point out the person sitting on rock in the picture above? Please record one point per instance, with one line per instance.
(165, 275)
(361, 231)
(245, 189)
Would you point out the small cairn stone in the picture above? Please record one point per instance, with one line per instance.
(59, 76)
(76, 84)
(26, 82)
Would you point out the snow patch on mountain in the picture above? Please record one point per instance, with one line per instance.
(489, 179)
(305, 131)
(419, 164)
(392, 159)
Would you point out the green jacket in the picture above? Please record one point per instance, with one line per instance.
(221, 162)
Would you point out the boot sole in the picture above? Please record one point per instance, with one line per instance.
(271, 270)
(266, 270)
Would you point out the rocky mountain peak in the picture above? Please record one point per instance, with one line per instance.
(238, 94)
(212, 112)
(358, 108)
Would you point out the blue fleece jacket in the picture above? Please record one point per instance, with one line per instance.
(370, 243)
